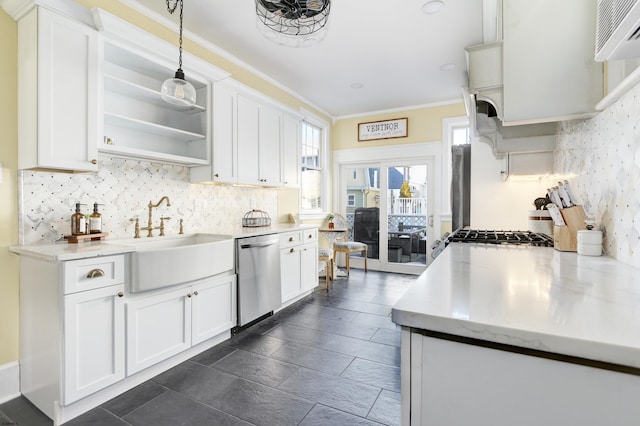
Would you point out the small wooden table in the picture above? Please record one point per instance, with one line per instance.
(332, 234)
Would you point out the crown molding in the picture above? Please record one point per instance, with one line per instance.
(18, 8)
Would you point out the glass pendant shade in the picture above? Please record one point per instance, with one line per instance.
(178, 91)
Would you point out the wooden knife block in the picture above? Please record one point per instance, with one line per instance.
(565, 238)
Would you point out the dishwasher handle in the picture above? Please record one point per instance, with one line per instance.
(259, 244)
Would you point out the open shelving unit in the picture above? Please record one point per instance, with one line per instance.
(138, 123)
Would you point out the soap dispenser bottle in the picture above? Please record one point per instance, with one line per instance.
(95, 220)
(78, 222)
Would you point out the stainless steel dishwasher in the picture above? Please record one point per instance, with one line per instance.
(258, 268)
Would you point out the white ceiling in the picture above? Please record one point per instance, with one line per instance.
(389, 46)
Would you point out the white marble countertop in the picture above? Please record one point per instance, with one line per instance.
(62, 251)
(530, 297)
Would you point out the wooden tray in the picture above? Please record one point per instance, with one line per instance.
(75, 239)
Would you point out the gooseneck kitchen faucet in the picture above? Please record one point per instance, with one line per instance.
(149, 228)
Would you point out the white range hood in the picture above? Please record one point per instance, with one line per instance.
(486, 127)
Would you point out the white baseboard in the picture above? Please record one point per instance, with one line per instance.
(9, 381)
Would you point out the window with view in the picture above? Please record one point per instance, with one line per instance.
(312, 176)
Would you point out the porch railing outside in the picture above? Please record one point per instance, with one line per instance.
(409, 206)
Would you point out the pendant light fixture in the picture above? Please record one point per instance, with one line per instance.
(293, 23)
(178, 91)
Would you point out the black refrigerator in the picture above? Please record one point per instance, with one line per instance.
(460, 186)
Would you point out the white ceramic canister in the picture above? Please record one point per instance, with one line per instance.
(540, 222)
(590, 243)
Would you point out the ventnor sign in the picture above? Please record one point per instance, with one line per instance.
(387, 129)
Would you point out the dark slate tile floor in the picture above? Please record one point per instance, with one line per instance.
(332, 358)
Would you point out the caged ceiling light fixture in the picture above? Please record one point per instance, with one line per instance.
(177, 90)
(293, 23)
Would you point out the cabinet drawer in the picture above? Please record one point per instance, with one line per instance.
(95, 272)
(290, 239)
(309, 236)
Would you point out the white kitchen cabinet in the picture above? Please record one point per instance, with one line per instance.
(164, 324)
(501, 387)
(213, 307)
(71, 329)
(290, 151)
(256, 141)
(309, 266)
(290, 271)
(259, 161)
(224, 161)
(59, 122)
(158, 327)
(248, 112)
(298, 263)
(93, 341)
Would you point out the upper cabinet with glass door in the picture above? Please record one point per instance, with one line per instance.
(137, 121)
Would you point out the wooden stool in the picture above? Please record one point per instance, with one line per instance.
(326, 255)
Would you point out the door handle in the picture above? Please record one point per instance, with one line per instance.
(261, 244)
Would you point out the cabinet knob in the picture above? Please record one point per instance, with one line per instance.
(216, 175)
(292, 250)
(121, 294)
(195, 292)
(188, 294)
(95, 273)
(310, 235)
(290, 239)
(94, 161)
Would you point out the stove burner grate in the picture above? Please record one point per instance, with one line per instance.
(501, 237)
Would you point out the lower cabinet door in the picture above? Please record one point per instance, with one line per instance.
(213, 307)
(158, 327)
(309, 266)
(290, 272)
(94, 350)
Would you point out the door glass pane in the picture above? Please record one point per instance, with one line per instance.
(407, 214)
(363, 207)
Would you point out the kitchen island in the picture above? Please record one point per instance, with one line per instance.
(506, 335)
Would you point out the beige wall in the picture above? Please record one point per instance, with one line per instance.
(425, 125)
(8, 190)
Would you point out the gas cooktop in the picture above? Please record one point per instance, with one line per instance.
(500, 237)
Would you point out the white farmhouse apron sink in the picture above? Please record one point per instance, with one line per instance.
(165, 261)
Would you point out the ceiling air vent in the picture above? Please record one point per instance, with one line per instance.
(618, 30)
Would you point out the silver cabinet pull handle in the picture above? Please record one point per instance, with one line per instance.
(95, 273)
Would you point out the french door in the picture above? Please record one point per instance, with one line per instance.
(389, 206)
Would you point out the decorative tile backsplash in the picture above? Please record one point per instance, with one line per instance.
(603, 156)
(125, 187)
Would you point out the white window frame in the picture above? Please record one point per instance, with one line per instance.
(323, 125)
(351, 200)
